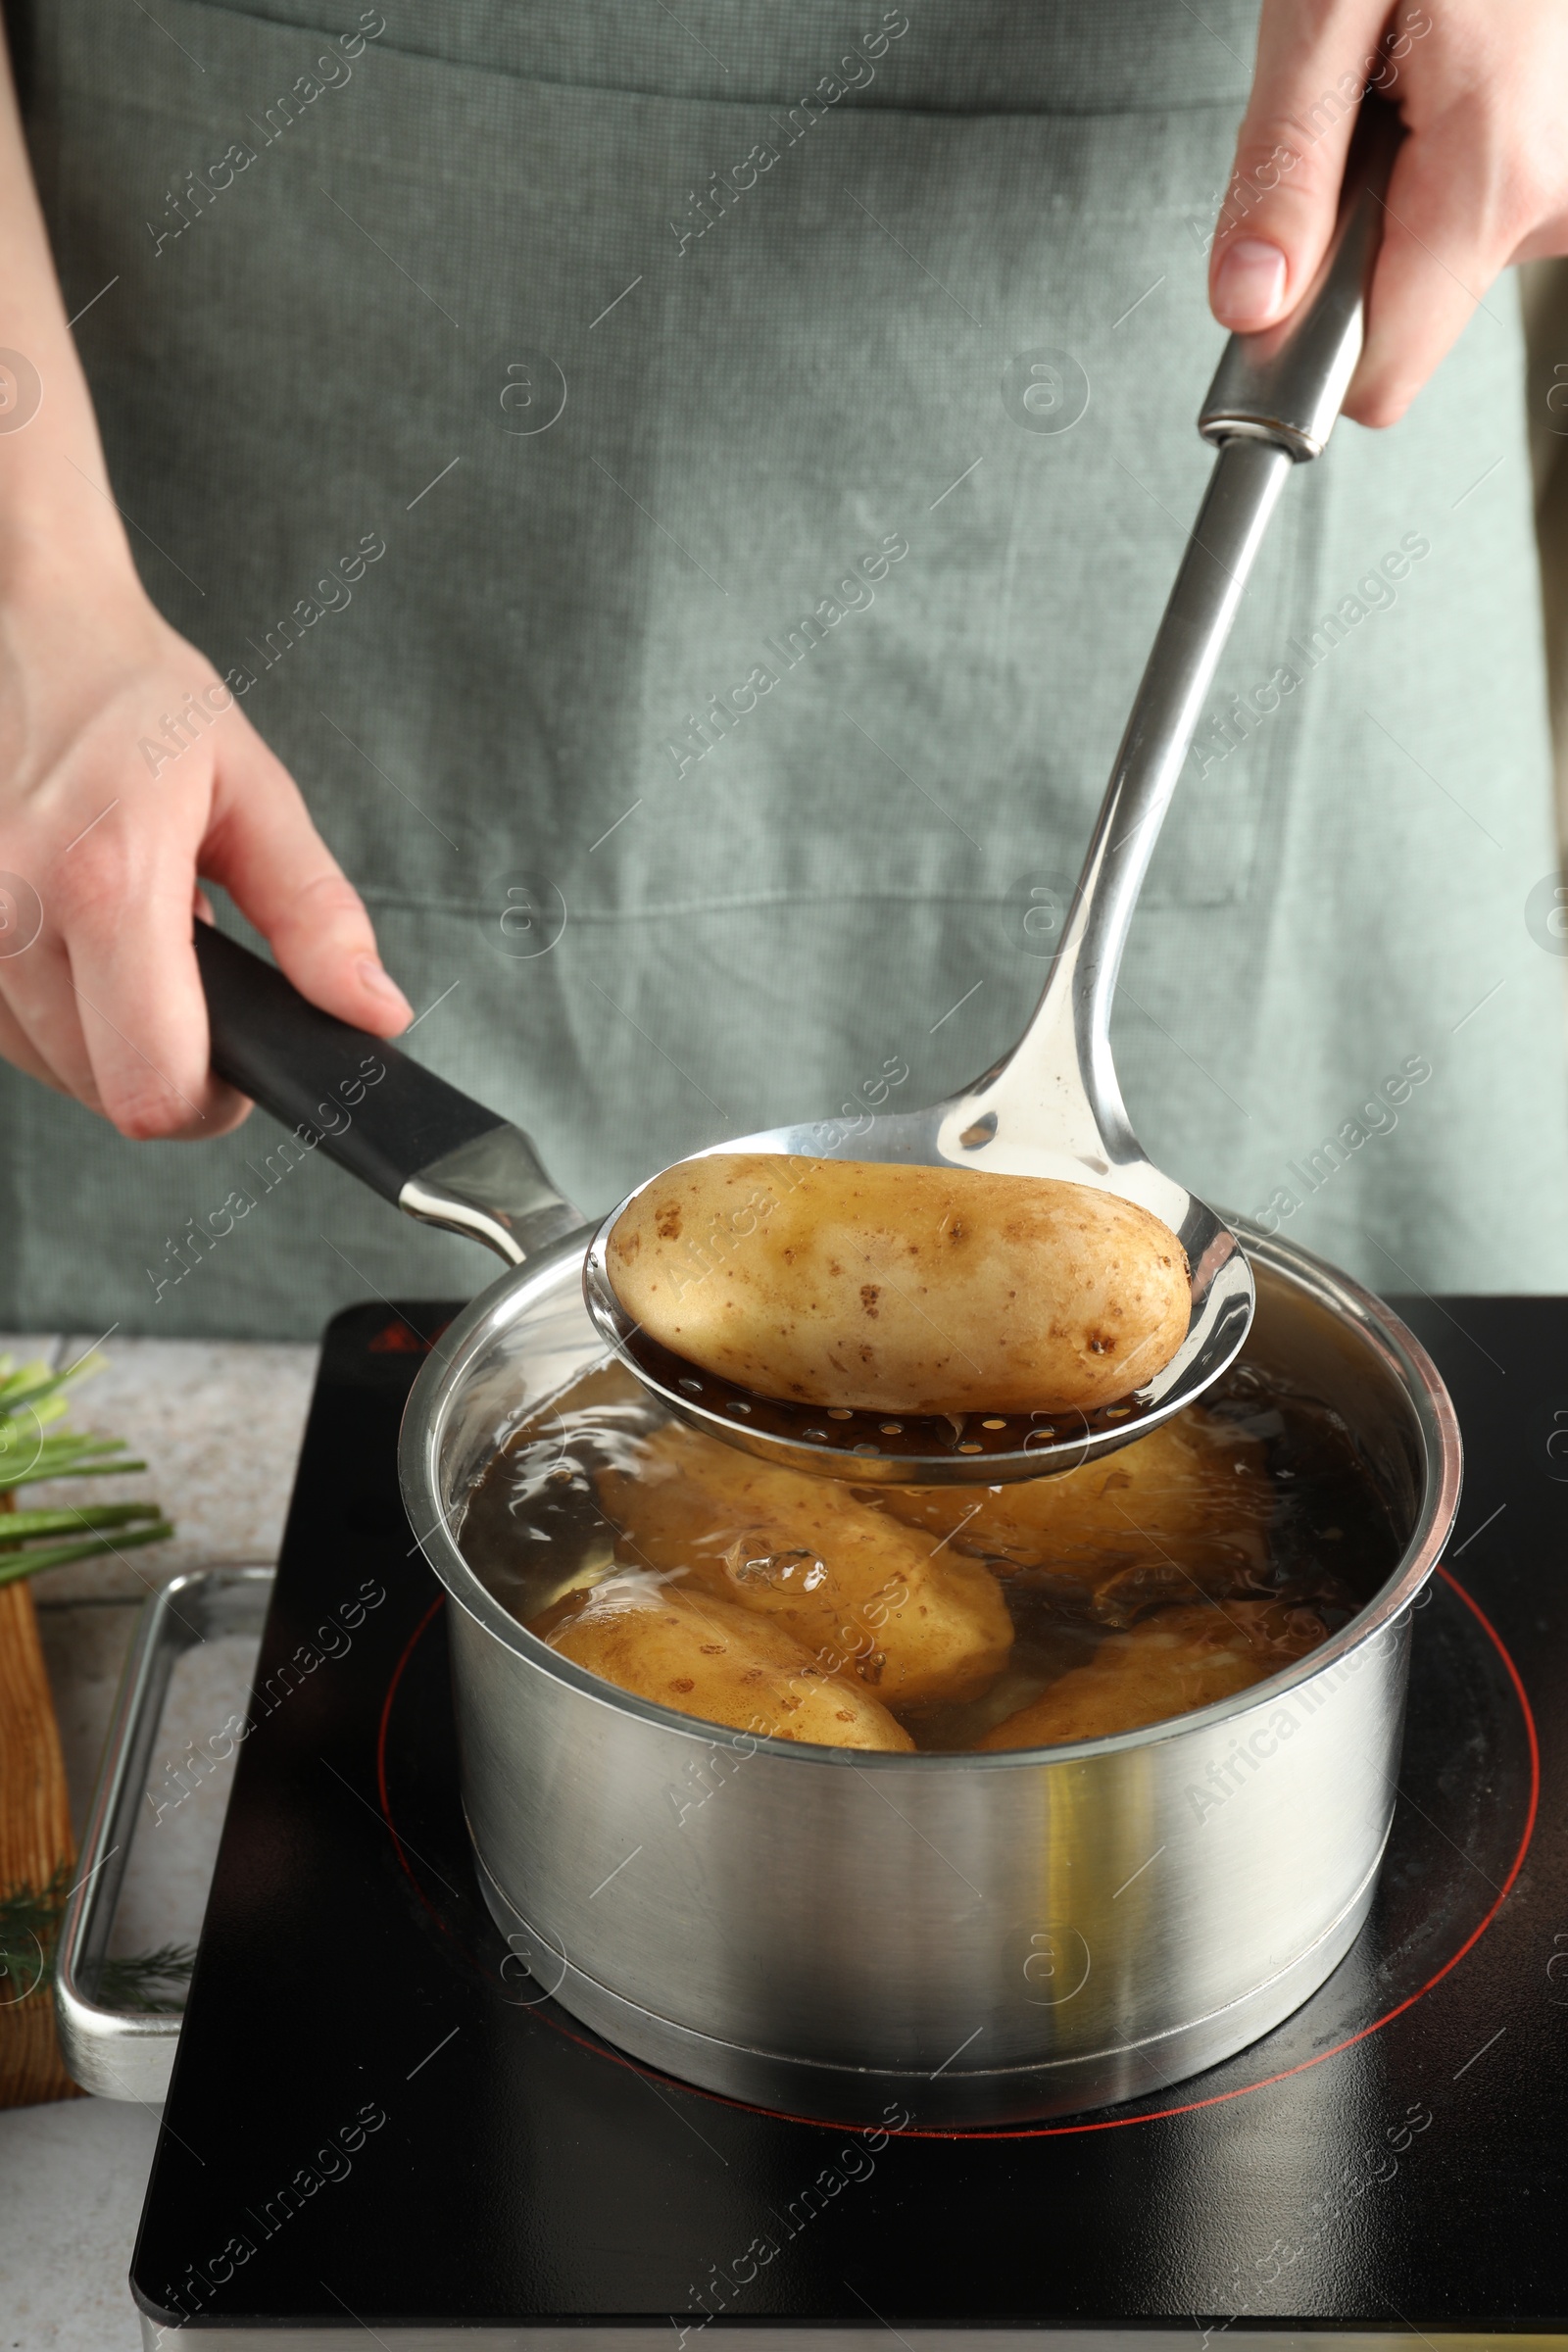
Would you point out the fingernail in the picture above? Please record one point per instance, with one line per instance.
(1249, 283)
(380, 984)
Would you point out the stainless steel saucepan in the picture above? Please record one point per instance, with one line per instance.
(975, 1938)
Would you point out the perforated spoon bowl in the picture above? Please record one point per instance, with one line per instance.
(1052, 1108)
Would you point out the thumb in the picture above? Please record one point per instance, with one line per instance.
(1313, 67)
(263, 848)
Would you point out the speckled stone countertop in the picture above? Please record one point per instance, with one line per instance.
(218, 1426)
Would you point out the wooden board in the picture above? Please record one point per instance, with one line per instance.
(35, 1842)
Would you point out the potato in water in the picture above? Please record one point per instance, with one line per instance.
(1165, 1665)
(861, 1592)
(901, 1289)
(1181, 1570)
(1174, 1516)
(707, 1657)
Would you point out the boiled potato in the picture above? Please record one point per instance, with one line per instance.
(707, 1657)
(862, 1592)
(901, 1289)
(1182, 1512)
(1165, 1665)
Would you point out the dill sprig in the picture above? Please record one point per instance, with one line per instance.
(30, 1933)
(146, 1981)
(33, 1452)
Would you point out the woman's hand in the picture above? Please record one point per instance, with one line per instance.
(127, 768)
(1481, 181)
(106, 823)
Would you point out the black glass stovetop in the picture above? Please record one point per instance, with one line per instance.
(378, 2121)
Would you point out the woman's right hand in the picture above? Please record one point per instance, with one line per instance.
(1480, 182)
(106, 824)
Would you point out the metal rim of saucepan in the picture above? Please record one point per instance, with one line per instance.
(472, 1333)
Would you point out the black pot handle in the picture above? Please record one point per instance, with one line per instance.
(411, 1137)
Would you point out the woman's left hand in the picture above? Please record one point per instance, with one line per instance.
(1479, 181)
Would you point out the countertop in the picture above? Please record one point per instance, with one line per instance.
(218, 1425)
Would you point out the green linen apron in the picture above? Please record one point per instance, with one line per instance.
(690, 496)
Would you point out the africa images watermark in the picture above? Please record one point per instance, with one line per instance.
(185, 726)
(1376, 1116)
(192, 195)
(1379, 72)
(724, 711)
(723, 189)
(332, 595)
(330, 2163)
(1225, 731)
(1327, 2219)
(713, 2298)
(334, 1638)
(1227, 1775)
(334, 1116)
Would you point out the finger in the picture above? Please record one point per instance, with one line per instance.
(1446, 232)
(43, 1009)
(1313, 63)
(126, 923)
(16, 1047)
(268, 854)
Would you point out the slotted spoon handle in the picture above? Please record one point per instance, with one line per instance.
(1272, 404)
(1287, 384)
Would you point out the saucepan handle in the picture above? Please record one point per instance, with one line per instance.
(411, 1137)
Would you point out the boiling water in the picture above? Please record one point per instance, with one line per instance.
(1301, 1523)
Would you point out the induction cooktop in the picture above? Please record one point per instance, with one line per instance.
(381, 2127)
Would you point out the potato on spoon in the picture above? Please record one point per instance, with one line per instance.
(899, 1288)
